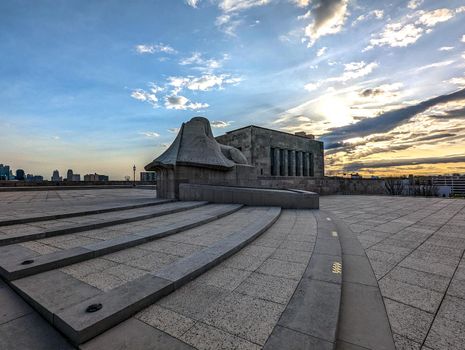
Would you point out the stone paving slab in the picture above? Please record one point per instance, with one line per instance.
(36, 204)
(233, 307)
(122, 301)
(14, 269)
(14, 234)
(415, 247)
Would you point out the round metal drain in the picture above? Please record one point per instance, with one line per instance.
(94, 307)
(27, 262)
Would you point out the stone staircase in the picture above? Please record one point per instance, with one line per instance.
(92, 272)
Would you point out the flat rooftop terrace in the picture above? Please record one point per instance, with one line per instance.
(120, 269)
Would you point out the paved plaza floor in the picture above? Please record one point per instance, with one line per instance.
(363, 272)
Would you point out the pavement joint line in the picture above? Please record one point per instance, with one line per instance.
(70, 320)
(46, 265)
(342, 227)
(81, 213)
(308, 334)
(161, 330)
(443, 296)
(319, 227)
(422, 242)
(87, 227)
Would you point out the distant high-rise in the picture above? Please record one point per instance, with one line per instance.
(69, 175)
(4, 172)
(95, 177)
(56, 176)
(20, 174)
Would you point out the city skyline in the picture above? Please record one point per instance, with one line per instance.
(101, 86)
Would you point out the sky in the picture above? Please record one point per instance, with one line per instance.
(97, 86)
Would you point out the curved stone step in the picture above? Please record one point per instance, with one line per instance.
(81, 213)
(236, 304)
(363, 321)
(12, 266)
(310, 320)
(65, 305)
(127, 217)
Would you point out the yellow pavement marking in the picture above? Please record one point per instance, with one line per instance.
(337, 267)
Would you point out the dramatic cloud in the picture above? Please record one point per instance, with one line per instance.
(404, 162)
(220, 123)
(151, 49)
(387, 121)
(386, 90)
(183, 103)
(329, 17)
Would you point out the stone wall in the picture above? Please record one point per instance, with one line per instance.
(242, 175)
(257, 144)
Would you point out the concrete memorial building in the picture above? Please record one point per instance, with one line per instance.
(277, 153)
(199, 167)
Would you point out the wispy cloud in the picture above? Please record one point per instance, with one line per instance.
(154, 48)
(150, 134)
(192, 3)
(411, 27)
(220, 123)
(375, 14)
(183, 103)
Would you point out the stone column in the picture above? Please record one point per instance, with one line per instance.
(306, 164)
(276, 162)
(292, 173)
(301, 166)
(285, 165)
(311, 166)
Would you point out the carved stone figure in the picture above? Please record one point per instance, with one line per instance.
(195, 146)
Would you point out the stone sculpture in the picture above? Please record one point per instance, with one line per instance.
(195, 146)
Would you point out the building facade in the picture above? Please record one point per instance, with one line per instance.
(453, 185)
(277, 153)
(149, 176)
(95, 177)
(4, 172)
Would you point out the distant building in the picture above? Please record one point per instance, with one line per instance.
(95, 178)
(20, 174)
(76, 177)
(56, 176)
(34, 178)
(69, 175)
(4, 172)
(148, 176)
(450, 185)
(277, 153)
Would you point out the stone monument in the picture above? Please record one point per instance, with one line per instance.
(197, 167)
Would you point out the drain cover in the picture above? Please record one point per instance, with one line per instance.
(94, 307)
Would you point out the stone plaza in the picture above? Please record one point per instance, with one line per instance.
(361, 272)
(212, 260)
